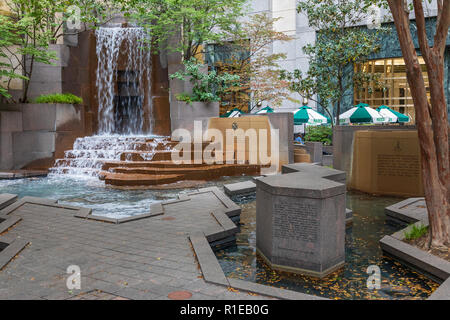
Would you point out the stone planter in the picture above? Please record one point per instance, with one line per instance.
(328, 149)
(33, 135)
(48, 79)
(186, 114)
(183, 114)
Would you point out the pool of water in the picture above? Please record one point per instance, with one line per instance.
(89, 192)
(240, 261)
(350, 282)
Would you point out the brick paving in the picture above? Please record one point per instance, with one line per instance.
(143, 259)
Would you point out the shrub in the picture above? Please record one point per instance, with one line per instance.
(208, 86)
(416, 232)
(322, 134)
(66, 98)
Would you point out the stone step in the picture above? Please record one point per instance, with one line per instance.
(116, 143)
(75, 171)
(148, 164)
(165, 155)
(80, 163)
(142, 176)
(131, 180)
(207, 172)
(146, 156)
(156, 170)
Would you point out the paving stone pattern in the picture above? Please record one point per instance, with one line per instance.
(144, 259)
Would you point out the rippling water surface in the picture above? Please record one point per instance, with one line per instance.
(84, 191)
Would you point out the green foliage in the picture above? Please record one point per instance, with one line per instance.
(416, 232)
(8, 38)
(27, 32)
(207, 86)
(322, 134)
(65, 98)
(249, 56)
(337, 47)
(198, 21)
(31, 26)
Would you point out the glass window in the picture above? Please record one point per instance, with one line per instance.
(391, 87)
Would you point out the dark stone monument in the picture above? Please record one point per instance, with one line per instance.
(300, 222)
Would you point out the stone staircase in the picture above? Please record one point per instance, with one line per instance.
(141, 161)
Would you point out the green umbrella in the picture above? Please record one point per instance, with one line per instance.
(309, 116)
(393, 115)
(232, 113)
(362, 113)
(265, 110)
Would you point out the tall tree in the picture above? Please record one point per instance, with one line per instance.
(250, 57)
(338, 45)
(431, 115)
(32, 25)
(197, 21)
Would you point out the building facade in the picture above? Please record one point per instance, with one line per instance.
(387, 63)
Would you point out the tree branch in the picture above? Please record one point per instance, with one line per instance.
(421, 29)
(442, 27)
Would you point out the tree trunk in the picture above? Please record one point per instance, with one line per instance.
(341, 94)
(431, 120)
(27, 82)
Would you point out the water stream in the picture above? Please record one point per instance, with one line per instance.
(120, 84)
(123, 90)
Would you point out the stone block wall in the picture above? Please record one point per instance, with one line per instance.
(343, 137)
(48, 79)
(300, 219)
(32, 136)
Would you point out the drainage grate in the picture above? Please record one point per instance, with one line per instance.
(3, 245)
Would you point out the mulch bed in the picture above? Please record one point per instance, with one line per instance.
(422, 243)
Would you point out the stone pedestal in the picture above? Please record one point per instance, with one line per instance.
(300, 223)
(315, 150)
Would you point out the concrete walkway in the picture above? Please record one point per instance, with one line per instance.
(143, 259)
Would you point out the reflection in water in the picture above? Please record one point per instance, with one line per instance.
(362, 250)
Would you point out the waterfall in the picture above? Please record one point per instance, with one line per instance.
(120, 84)
(89, 154)
(123, 91)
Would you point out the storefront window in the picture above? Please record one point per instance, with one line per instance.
(390, 87)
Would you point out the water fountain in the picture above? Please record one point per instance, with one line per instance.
(123, 78)
(124, 152)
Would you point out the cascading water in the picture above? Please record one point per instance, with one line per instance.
(120, 84)
(123, 90)
(90, 153)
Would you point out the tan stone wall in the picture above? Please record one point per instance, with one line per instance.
(285, 153)
(254, 122)
(387, 163)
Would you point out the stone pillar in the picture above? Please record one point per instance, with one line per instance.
(315, 150)
(300, 223)
(160, 118)
(10, 123)
(284, 122)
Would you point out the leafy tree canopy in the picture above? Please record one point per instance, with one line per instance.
(339, 44)
(186, 25)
